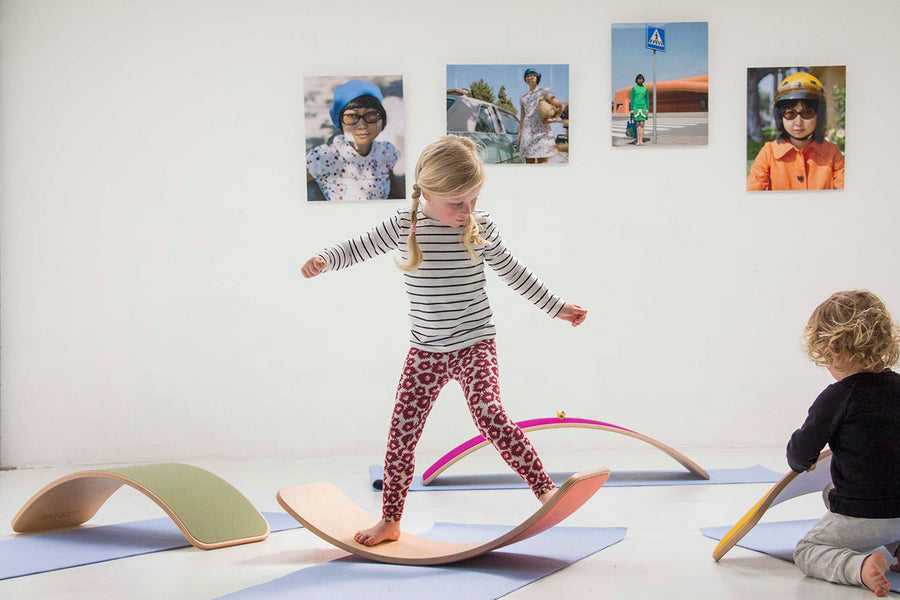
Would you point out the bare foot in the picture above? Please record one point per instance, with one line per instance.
(545, 498)
(383, 531)
(873, 574)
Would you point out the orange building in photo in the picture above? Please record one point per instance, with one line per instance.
(690, 94)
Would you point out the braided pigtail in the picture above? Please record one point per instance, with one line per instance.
(412, 246)
(471, 237)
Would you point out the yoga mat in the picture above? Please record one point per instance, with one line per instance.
(491, 575)
(507, 481)
(39, 553)
(778, 539)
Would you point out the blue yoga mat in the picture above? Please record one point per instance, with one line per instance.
(508, 481)
(39, 553)
(489, 576)
(778, 539)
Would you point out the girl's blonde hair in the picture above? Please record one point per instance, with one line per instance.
(450, 166)
(852, 328)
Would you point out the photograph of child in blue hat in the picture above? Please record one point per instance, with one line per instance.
(354, 135)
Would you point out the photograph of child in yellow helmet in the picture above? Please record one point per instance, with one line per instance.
(795, 128)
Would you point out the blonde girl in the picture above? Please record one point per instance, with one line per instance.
(444, 244)
(858, 417)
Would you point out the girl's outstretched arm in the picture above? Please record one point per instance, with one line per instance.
(572, 313)
(313, 266)
(379, 240)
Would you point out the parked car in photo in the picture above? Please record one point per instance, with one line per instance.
(493, 127)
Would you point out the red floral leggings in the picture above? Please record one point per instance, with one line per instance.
(424, 374)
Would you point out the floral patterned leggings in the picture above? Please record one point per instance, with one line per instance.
(424, 375)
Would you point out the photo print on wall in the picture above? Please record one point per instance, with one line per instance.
(355, 131)
(795, 128)
(519, 113)
(677, 56)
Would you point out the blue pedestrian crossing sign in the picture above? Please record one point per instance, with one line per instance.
(656, 38)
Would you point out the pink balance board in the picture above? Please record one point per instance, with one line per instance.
(477, 442)
(327, 512)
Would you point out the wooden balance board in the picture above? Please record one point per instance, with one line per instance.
(792, 485)
(207, 509)
(327, 512)
(477, 442)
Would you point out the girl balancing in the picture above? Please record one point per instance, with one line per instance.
(444, 244)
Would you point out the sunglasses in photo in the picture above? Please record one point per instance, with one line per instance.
(807, 114)
(372, 116)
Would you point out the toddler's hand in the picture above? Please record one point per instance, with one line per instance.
(573, 313)
(313, 267)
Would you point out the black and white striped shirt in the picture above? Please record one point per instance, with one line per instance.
(449, 307)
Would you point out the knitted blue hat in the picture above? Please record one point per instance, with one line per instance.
(351, 90)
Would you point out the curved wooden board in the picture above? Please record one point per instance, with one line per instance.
(327, 512)
(792, 485)
(208, 510)
(477, 442)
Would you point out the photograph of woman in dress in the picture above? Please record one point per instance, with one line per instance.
(639, 107)
(659, 96)
(517, 113)
(539, 107)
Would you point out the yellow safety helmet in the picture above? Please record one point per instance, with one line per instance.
(800, 86)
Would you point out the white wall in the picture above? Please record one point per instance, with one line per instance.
(153, 221)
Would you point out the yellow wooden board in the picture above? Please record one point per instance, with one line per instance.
(790, 486)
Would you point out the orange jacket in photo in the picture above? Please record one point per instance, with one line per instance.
(780, 166)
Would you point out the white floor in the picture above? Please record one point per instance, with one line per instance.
(663, 555)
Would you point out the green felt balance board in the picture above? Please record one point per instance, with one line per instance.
(210, 512)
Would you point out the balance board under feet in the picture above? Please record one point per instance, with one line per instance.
(327, 512)
(208, 510)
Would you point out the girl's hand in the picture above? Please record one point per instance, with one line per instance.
(313, 267)
(572, 313)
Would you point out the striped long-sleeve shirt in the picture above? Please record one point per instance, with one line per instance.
(449, 307)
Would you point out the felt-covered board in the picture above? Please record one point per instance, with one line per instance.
(208, 510)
